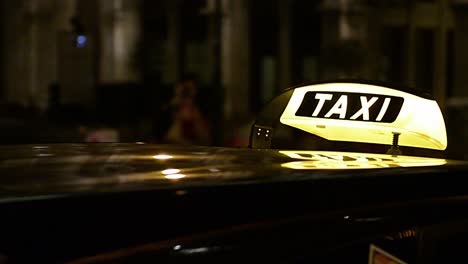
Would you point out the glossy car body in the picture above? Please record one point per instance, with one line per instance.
(140, 203)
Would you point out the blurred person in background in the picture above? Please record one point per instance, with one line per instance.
(188, 124)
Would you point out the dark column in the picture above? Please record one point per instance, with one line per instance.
(284, 51)
(457, 107)
(174, 41)
(440, 54)
(2, 49)
(235, 58)
(461, 51)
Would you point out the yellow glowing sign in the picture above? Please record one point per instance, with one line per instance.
(311, 160)
(366, 113)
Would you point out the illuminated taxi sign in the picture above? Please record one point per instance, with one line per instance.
(312, 160)
(350, 106)
(366, 113)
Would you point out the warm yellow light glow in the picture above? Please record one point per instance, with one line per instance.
(419, 122)
(175, 176)
(162, 157)
(311, 160)
(170, 171)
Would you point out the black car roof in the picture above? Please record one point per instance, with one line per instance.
(47, 171)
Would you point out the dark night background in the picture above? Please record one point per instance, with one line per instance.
(71, 67)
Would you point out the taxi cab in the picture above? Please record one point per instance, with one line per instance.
(145, 203)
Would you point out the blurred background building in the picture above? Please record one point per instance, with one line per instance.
(70, 65)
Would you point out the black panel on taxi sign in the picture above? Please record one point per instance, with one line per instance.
(350, 106)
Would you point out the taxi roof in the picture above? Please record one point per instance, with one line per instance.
(31, 172)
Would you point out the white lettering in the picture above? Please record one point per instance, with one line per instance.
(365, 105)
(339, 108)
(383, 110)
(322, 98)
